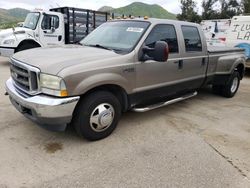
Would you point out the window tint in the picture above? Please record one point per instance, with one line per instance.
(163, 33)
(192, 38)
(50, 21)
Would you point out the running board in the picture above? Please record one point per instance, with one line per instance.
(154, 106)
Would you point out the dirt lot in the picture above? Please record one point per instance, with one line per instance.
(200, 142)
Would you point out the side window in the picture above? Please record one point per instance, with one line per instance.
(192, 39)
(50, 21)
(165, 33)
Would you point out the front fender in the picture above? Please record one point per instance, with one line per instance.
(101, 79)
(18, 39)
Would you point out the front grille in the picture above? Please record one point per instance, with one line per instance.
(24, 76)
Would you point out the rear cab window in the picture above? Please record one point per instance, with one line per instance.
(192, 39)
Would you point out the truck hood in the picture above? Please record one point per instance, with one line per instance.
(54, 59)
(8, 32)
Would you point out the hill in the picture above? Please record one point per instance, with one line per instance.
(18, 12)
(142, 9)
(106, 9)
(12, 16)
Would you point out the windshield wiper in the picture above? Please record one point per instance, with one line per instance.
(99, 46)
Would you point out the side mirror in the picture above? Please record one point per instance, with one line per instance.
(159, 53)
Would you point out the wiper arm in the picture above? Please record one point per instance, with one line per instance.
(99, 46)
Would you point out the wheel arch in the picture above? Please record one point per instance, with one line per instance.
(241, 69)
(118, 91)
(28, 41)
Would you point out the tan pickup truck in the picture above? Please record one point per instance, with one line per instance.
(135, 64)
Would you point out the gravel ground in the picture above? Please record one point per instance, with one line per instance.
(200, 142)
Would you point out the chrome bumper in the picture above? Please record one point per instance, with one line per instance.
(50, 112)
(6, 52)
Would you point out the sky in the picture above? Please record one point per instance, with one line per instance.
(170, 5)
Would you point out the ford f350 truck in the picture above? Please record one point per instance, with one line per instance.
(59, 26)
(135, 64)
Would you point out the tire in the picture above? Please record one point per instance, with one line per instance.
(217, 89)
(97, 115)
(26, 46)
(231, 88)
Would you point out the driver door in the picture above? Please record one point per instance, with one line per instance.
(52, 30)
(158, 79)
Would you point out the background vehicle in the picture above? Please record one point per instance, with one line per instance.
(238, 35)
(132, 64)
(215, 31)
(58, 26)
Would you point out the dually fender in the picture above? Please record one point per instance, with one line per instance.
(227, 64)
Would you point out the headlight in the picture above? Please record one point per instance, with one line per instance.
(53, 85)
(9, 41)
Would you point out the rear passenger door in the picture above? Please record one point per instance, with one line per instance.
(193, 61)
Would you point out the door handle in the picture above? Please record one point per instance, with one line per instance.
(203, 61)
(59, 37)
(180, 64)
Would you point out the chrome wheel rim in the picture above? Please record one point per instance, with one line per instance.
(234, 84)
(102, 117)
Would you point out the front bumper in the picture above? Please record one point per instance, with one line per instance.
(50, 112)
(6, 52)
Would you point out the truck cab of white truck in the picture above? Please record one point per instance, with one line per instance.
(40, 29)
(59, 26)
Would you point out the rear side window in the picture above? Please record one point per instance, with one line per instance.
(192, 39)
(165, 33)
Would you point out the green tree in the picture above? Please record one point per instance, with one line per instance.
(229, 8)
(188, 12)
(246, 6)
(208, 12)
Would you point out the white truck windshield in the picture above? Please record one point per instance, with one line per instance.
(31, 20)
(117, 36)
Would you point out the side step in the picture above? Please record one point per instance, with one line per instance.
(154, 106)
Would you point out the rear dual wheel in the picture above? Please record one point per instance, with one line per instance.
(230, 89)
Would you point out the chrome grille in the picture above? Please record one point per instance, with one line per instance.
(24, 76)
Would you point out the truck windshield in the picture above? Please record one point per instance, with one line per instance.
(120, 36)
(31, 20)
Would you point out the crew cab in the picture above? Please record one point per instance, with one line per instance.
(132, 64)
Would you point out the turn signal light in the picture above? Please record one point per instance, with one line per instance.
(64, 93)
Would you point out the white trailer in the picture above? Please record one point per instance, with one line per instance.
(238, 35)
(215, 31)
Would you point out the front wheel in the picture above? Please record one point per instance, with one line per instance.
(97, 115)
